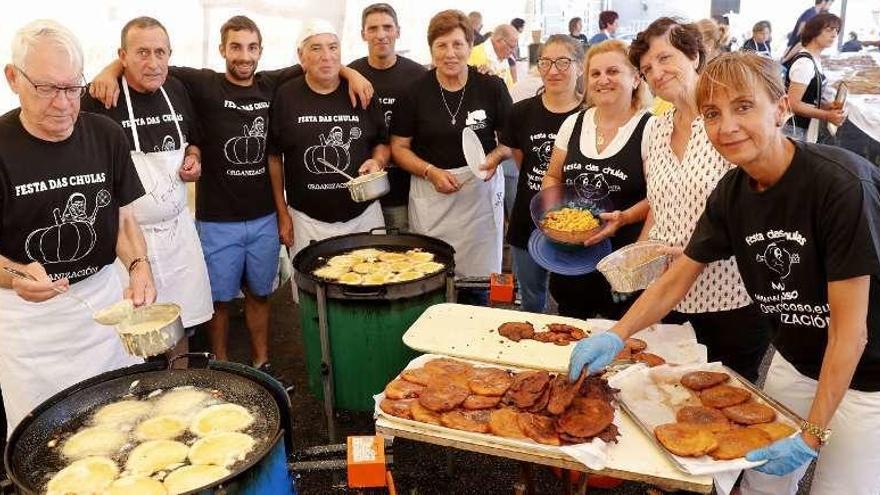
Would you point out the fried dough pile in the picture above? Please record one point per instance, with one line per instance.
(557, 333)
(370, 266)
(727, 425)
(529, 404)
(634, 349)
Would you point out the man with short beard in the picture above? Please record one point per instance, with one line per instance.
(237, 216)
(391, 75)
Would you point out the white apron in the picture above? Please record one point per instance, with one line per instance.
(173, 246)
(471, 220)
(306, 229)
(46, 347)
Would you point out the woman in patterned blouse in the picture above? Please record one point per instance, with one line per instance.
(682, 168)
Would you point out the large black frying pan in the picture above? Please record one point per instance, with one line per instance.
(317, 253)
(29, 460)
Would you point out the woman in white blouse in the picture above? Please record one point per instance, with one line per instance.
(682, 169)
(599, 151)
(805, 80)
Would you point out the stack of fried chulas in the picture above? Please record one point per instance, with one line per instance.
(528, 404)
(728, 424)
(556, 333)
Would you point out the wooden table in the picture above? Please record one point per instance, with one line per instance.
(635, 458)
(474, 338)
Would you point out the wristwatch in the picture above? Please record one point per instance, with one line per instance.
(823, 434)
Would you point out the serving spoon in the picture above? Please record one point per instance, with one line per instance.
(27, 276)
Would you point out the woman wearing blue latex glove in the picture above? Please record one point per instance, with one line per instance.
(802, 221)
(783, 457)
(597, 351)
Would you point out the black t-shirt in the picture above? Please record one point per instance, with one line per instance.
(59, 201)
(234, 120)
(819, 223)
(155, 124)
(391, 85)
(618, 179)
(531, 128)
(751, 45)
(435, 139)
(306, 126)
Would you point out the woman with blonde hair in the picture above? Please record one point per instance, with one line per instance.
(530, 132)
(600, 151)
(802, 221)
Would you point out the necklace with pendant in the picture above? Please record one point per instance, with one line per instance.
(452, 114)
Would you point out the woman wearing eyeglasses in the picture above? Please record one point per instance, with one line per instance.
(600, 151)
(446, 199)
(682, 169)
(530, 132)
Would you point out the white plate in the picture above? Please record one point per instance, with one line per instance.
(473, 152)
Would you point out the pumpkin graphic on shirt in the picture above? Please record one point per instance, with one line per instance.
(593, 186)
(72, 237)
(250, 147)
(333, 149)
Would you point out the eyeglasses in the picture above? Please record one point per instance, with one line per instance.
(51, 90)
(562, 64)
(512, 44)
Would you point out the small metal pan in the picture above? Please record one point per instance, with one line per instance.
(151, 330)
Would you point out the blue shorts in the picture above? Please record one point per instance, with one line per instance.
(241, 254)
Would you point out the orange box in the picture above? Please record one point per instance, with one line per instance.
(366, 462)
(501, 288)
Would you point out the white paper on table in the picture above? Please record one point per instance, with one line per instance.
(593, 454)
(677, 344)
(651, 405)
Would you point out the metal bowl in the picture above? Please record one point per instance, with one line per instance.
(634, 267)
(561, 196)
(369, 187)
(151, 330)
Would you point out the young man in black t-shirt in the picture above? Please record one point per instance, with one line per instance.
(391, 75)
(313, 125)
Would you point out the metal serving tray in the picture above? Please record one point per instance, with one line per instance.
(781, 409)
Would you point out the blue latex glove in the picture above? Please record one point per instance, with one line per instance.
(597, 351)
(783, 456)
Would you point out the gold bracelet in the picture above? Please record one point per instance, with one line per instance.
(134, 262)
(427, 169)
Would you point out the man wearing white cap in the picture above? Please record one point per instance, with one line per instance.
(313, 125)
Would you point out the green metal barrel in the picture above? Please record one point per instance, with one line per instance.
(365, 341)
(364, 324)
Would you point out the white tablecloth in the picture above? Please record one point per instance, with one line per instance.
(862, 110)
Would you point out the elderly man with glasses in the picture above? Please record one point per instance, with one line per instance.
(491, 55)
(66, 185)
